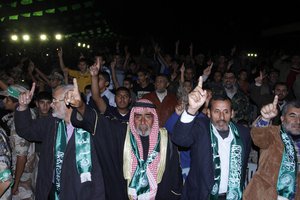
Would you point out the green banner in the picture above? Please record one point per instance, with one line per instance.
(26, 2)
(14, 17)
(37, 13)
(50, 11)
(26, 14)
(63, 8)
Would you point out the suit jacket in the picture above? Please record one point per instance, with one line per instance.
(264, 182)
(196, 135)
(44, 130)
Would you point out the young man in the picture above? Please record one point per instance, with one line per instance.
(43, 104)
(219, 148)
(278, 174)
(101, 81)
(67, 168)
(137, 158)
(82, 74)
(24, 158)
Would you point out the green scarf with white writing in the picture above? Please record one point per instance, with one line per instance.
(234, 191)
(83, 154)
(286, 182)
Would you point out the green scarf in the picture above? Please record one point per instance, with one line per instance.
(286, 183)
(140, 181)
(83, 154)
(235, 166)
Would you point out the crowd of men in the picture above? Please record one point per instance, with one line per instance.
(151, 127)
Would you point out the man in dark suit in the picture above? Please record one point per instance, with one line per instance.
(219, 148)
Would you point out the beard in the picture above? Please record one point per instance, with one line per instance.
(143, 130)
(221, 125)
(58, 115)
(228, 86)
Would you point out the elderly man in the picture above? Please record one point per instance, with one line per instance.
(67, 168)
(278, 174)
(219, 148)
(138, 160)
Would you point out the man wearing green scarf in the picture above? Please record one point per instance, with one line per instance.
(67, 168)
(278, 174)
(139, 161)
(219, 148)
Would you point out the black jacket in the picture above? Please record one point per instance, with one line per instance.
(196, 135)
(44, 130)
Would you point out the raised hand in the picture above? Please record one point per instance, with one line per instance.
(197, 98)
(207, 70)
(60, 52)
(113, 63)
(25, 98)
(94, 69)
(73, 97)
(259, 79)
(270, 111)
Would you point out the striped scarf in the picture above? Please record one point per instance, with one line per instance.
(152, 169)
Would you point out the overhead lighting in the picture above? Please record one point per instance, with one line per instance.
(79, 44)
(43, 37)
(58, 36)
(88, 46)
(83, 45)
(14, 37)
(26, 37)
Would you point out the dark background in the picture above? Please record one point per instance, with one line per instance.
(206, 24)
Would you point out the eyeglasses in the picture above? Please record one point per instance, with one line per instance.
(57, 100)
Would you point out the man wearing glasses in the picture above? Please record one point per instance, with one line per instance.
(59, 177)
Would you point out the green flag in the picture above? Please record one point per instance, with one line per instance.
(14, 17)
(63, 8)
(26, 15)
(26, 2)
(50, 11)
(37, 13)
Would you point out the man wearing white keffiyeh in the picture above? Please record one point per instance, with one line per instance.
(138, 159)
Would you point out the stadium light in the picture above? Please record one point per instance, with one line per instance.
(58, 36)
(26, 37)
(14, 37)
(43, 37)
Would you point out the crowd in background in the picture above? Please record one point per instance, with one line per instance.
(111, 79)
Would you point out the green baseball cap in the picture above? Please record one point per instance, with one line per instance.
(13, 91)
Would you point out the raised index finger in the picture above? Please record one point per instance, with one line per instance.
(200, 81)
(275, 101)
(75, 85)
(32, 89)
